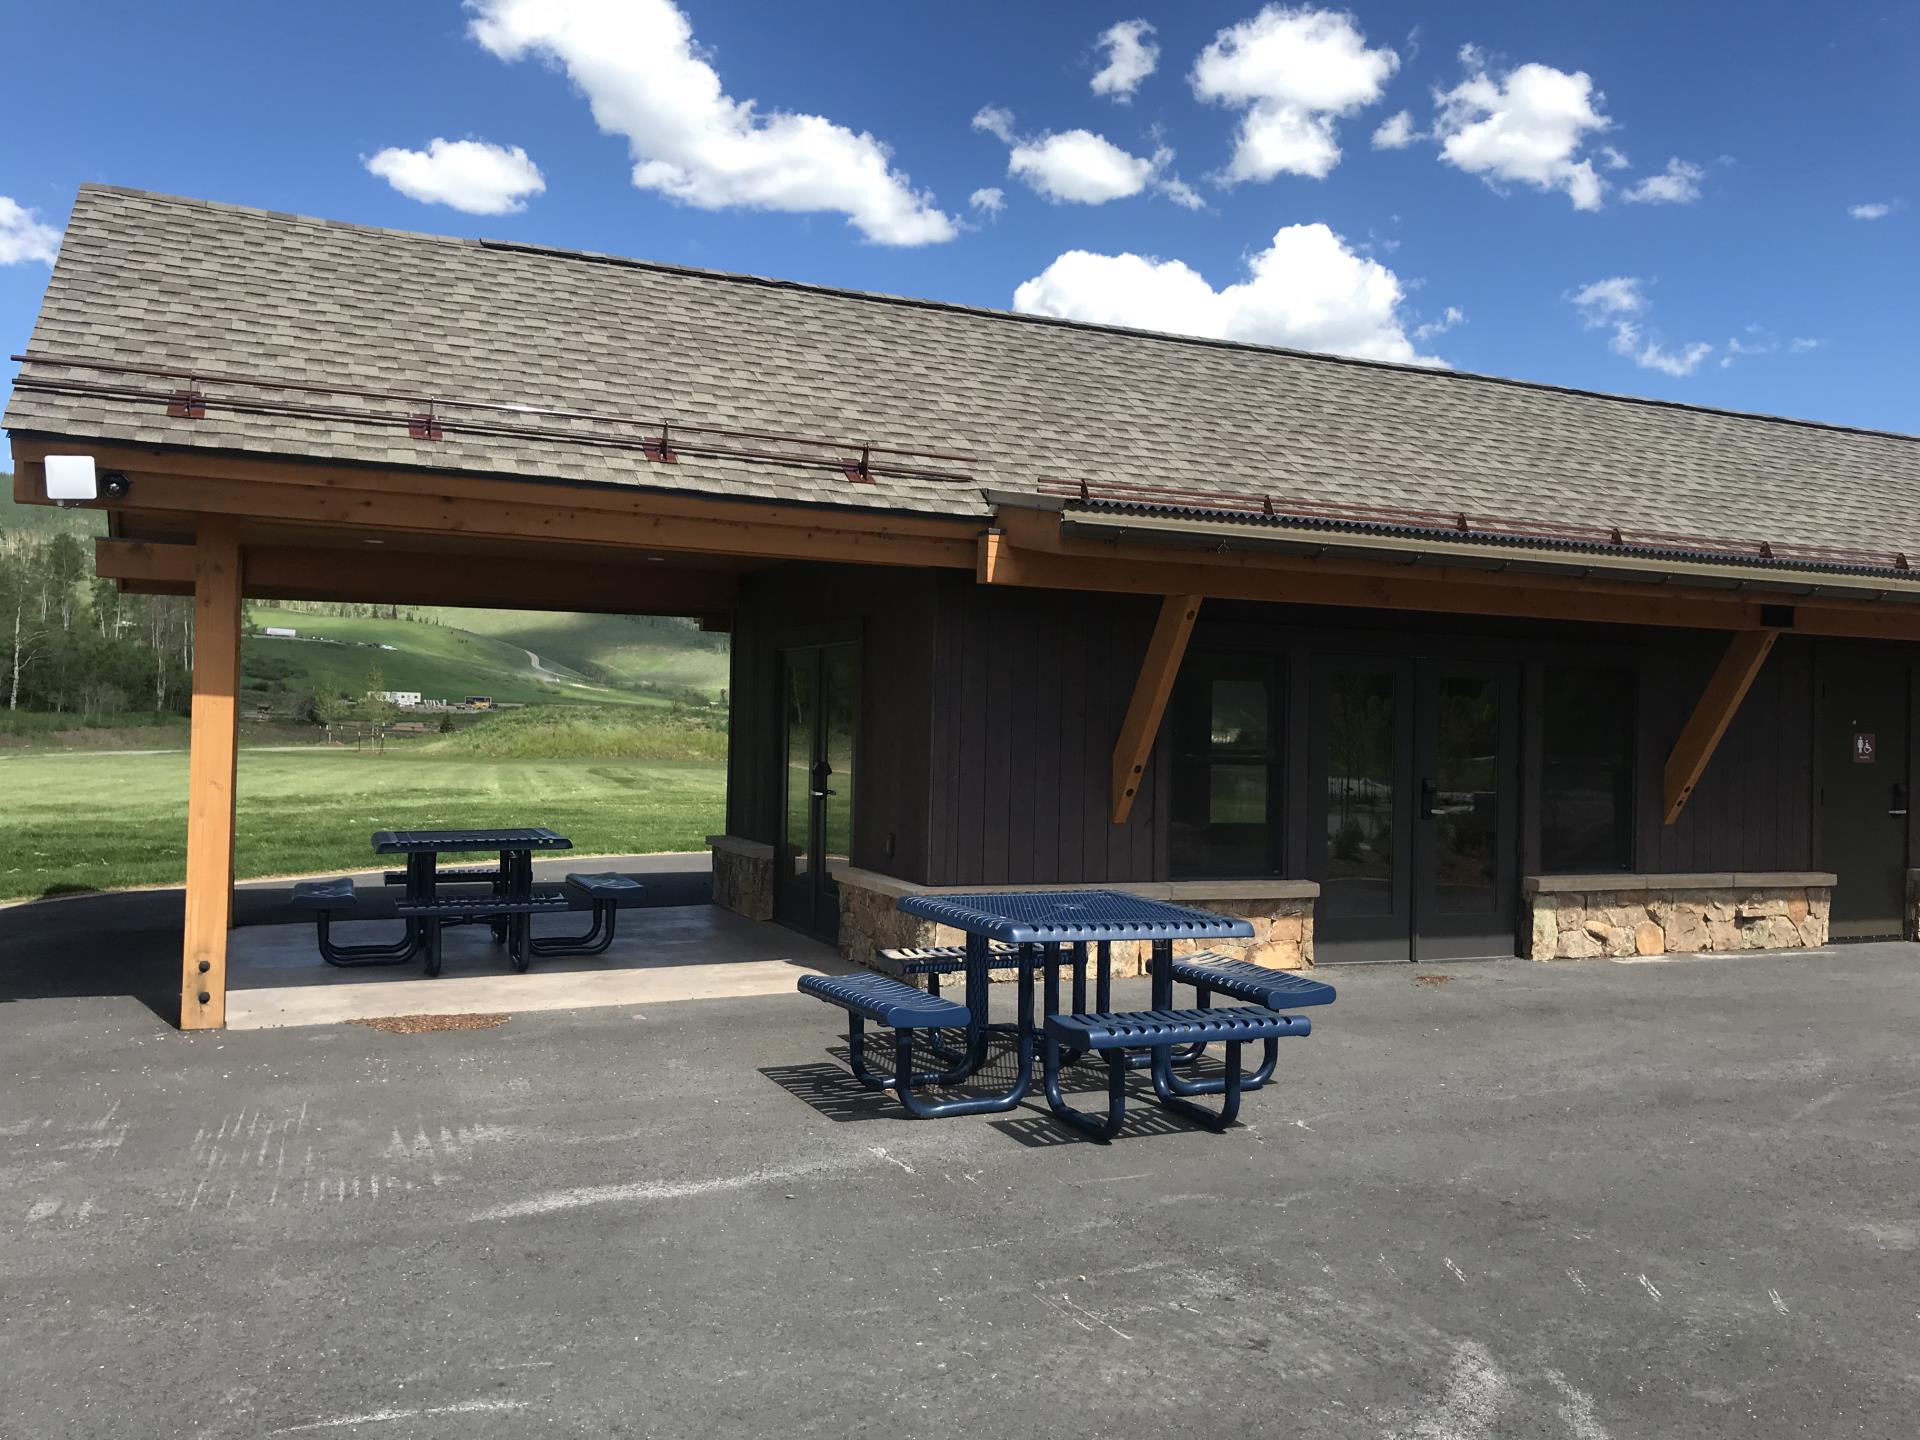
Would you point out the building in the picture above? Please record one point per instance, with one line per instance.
(404, 699)
(1406, 663)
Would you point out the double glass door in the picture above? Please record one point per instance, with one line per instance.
(1417, 842)
(821, 689)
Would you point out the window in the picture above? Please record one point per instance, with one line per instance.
(1226, 777)
(1586, 782)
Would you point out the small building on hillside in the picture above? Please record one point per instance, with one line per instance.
(405, 699)
(1404, 663)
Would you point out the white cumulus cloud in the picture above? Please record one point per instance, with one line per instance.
(1079, 166)
(646, 79)
(1131, 56)
(989, 200)
(469, 175)
(1307, 290)
(1396, 132)
(1527, 126)
(1872, 210)
(1678, 184)
(1294, 72)
(1614, 305)
(23, 237)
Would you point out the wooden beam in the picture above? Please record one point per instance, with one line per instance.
(1150, 691)
(1455, 590)
(388, 575)
(830, 537)
(211, 762)
(1746, 652)
(372, 496)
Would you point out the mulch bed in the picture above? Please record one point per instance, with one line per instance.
(422, 1024)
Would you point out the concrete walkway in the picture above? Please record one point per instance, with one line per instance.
(1584, 1201)
(276, 977)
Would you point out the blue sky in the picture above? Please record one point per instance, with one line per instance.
(1247, 177)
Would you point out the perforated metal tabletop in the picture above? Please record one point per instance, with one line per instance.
(1069, 916)
(443, 842)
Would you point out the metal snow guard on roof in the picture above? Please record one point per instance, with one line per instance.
(1072, 916)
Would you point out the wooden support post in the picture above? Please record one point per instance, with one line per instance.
(1719, 703)
(1149, 703)
(214, 740)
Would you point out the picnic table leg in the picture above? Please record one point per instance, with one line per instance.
(1103, 983)
(1160, 971)
(1170, 1087)
(978, 1033)
(1097, 1127)
(1080, 977)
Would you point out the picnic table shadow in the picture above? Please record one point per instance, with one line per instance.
(829, 1088)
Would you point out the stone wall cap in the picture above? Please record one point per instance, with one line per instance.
(1191, 892)
(735, 845)
(1784, 879)
(1689, 880)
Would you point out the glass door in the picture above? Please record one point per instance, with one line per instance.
(1417, 848)
(1467, 831)
(820, 688)
(1361, 754)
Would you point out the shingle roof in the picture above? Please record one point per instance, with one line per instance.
(158, 282)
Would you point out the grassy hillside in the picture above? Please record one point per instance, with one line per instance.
(620, 649)
(494, 656)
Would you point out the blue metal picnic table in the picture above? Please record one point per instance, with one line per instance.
(1049, 920)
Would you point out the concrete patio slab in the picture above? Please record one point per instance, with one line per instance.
(275, 975)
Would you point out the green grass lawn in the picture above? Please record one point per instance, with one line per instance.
(78, 821)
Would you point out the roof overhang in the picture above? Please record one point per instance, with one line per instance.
(1639, 565)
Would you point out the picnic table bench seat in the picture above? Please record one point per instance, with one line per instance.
(606, 895)
(442, 910)
(934, 961)
(1210, 972)
(1160, 1032)
(885, 1001)
(323, 896)
(619, 891)
(907, 1011)
(324, 899)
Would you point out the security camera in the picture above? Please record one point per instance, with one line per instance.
(114, 485)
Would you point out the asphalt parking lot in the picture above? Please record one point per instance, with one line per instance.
(1585, 1200)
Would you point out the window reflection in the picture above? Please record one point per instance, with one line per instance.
(1360, 773)
(1586, 784)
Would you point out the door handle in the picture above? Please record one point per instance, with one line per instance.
(822, 794)
(1429, 794)
(1897, 803)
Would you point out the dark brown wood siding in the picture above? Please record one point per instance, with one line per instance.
(1753, 808)
(1030, 691)
(889, 613)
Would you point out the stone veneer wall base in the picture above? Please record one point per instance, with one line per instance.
(742, 876)
(1591, 916)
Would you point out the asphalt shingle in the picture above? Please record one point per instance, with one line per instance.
(191, 286)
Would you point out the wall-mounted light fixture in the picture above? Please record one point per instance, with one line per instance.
(71, 479)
